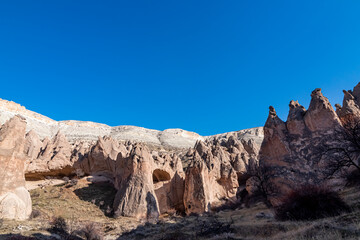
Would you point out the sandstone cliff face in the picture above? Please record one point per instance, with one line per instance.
(147, 177)
(168, 180)
(53, 157)
(136, 196)
(217, 167)
(351, 103)
(131, 166)
(289, 148)
(101, 159)
(15, 202)
(89, 131)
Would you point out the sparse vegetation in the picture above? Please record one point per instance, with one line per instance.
(58, 225)
(35, 213)
(214, 226)
(255, 222)
(309, 203)
(91, 232)
(263, 187)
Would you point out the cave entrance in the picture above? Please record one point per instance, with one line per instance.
(160, 175)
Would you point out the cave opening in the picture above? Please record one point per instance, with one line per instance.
(160, 176)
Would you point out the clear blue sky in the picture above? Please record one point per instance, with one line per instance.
(204, 66)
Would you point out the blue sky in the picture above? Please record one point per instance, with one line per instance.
(204, 66)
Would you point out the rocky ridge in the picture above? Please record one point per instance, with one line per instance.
(291, 150)
(90, 131)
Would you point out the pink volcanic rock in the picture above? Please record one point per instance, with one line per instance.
(217, 168)
(289, 149)
(168, 179)
(54, 159)
(101, 159)
(351, 103)
(15, 202)
(134, 180)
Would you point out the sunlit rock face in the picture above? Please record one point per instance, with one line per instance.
(289, 149)
(15, 202)
(53, 158)
(217, 168)
(115, 161)
(87, 131)
(134, 180)
(149, 158)
(351, 103)
(101, 158)
(168, 179)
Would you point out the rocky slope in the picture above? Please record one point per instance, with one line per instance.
(90, 131)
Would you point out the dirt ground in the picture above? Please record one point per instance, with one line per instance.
(82, 203)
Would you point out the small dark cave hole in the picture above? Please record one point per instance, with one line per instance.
(160, 175)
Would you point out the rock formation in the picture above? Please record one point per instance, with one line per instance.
(147, 166)
(90, 131)
(160, 172)
(289, 148)
(53, 157)
(101, 159)
(136, 196)
(150, 176)
(217, 168)
(351, 103)
(168, 179)
(15, 202)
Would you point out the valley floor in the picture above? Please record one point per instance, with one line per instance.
(84, 203)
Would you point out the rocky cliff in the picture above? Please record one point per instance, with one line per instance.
(145, 166)
(156, 172)
(15, 202)
(90, 131)
(291, 150)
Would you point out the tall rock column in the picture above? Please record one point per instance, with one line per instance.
(15, 201)
(197, 192)
(133, 179)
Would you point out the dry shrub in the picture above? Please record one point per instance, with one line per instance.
(309, 203)
(35, 213)
(212, 226)
(91, 232)
(58, 225)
